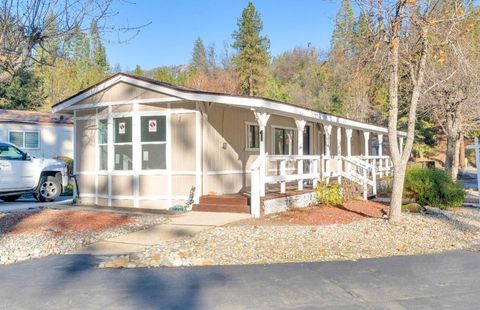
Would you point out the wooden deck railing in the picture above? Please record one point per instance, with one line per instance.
(281, 169)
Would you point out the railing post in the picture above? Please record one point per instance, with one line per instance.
(380, 167)
(255, 193)
(387, 167)
(283, 172)
(365, 183)
(300, 172)
(374, 180)
(316, 172)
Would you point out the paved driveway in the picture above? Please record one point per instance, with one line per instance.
(27, 201)
(450, 280)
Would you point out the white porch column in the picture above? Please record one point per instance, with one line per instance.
(328, 150)
(380, 144)
(366, 136)
(380, 153)
(339, 153)
(262, 120)
(300, 128)
(348, 135)
(400, 141)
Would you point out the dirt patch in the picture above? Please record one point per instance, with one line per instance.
(57, 222)
(351, 211)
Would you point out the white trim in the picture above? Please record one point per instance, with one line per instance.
(223, 172)
(168, 151)
(128, 197)
(247, 144)
(97, 154)
(198, 154)
(85, 106)
(153, 172)
(246, 102)
(111, 155)
(136, 153)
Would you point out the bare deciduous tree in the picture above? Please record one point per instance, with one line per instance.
(403, 29)
(25, 26)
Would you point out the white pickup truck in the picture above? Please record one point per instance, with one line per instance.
(22, 174)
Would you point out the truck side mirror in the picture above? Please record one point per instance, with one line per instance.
(27, 157)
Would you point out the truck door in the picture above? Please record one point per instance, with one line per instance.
(17, 171)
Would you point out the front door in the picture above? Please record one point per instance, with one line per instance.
(17, 171)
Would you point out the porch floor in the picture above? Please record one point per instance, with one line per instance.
(240, 202)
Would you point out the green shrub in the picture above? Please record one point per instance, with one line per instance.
(433, 187)
(328, 194)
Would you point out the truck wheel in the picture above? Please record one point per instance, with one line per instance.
(49, 189)
(11, 198)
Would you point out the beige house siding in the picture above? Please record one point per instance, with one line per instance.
(85, 139)
(183, 142)
(225, 157)
(122, 92)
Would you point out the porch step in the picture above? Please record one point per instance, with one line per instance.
(233, 200)
(215, 207)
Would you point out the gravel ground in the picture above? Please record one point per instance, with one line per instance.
(19, 242)
(367, 238)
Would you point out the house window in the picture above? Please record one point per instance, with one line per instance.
(154, 142)
(103, 144)
(25, 139)
(253, 137)
(122, 141)
(283, 141)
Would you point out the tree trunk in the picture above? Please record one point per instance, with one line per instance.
(395, 211)
(452, 141)
(462, 151)
(456, 159)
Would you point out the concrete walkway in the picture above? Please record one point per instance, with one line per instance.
(181, 226)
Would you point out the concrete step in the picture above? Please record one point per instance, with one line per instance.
(217, 207)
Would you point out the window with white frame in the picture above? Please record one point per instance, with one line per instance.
(253, 137)
(25, 139)
(103, 144)
(122, 143)
(154, 142)
(283, 141)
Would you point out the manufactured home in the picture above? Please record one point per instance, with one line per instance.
(141, 143)
(40, 134)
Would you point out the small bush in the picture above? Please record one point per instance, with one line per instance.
(433, 187)
(328, 194)
(384, 187)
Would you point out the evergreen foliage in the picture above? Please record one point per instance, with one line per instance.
(252, 58)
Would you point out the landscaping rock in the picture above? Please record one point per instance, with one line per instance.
(412, 208)
(417, 234)
(20, 246)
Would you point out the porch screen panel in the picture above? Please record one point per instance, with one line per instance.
(122, 143)
(154, 142)
(102, 144)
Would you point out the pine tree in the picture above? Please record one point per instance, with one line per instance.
(138, 71)
(343, 32)
(199, 56)
(252, 59)
(99, 56)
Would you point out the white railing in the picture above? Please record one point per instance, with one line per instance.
(281, 169)
(383, 164)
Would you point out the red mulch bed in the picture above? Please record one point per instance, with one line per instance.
(60, 222)
(350, 211)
